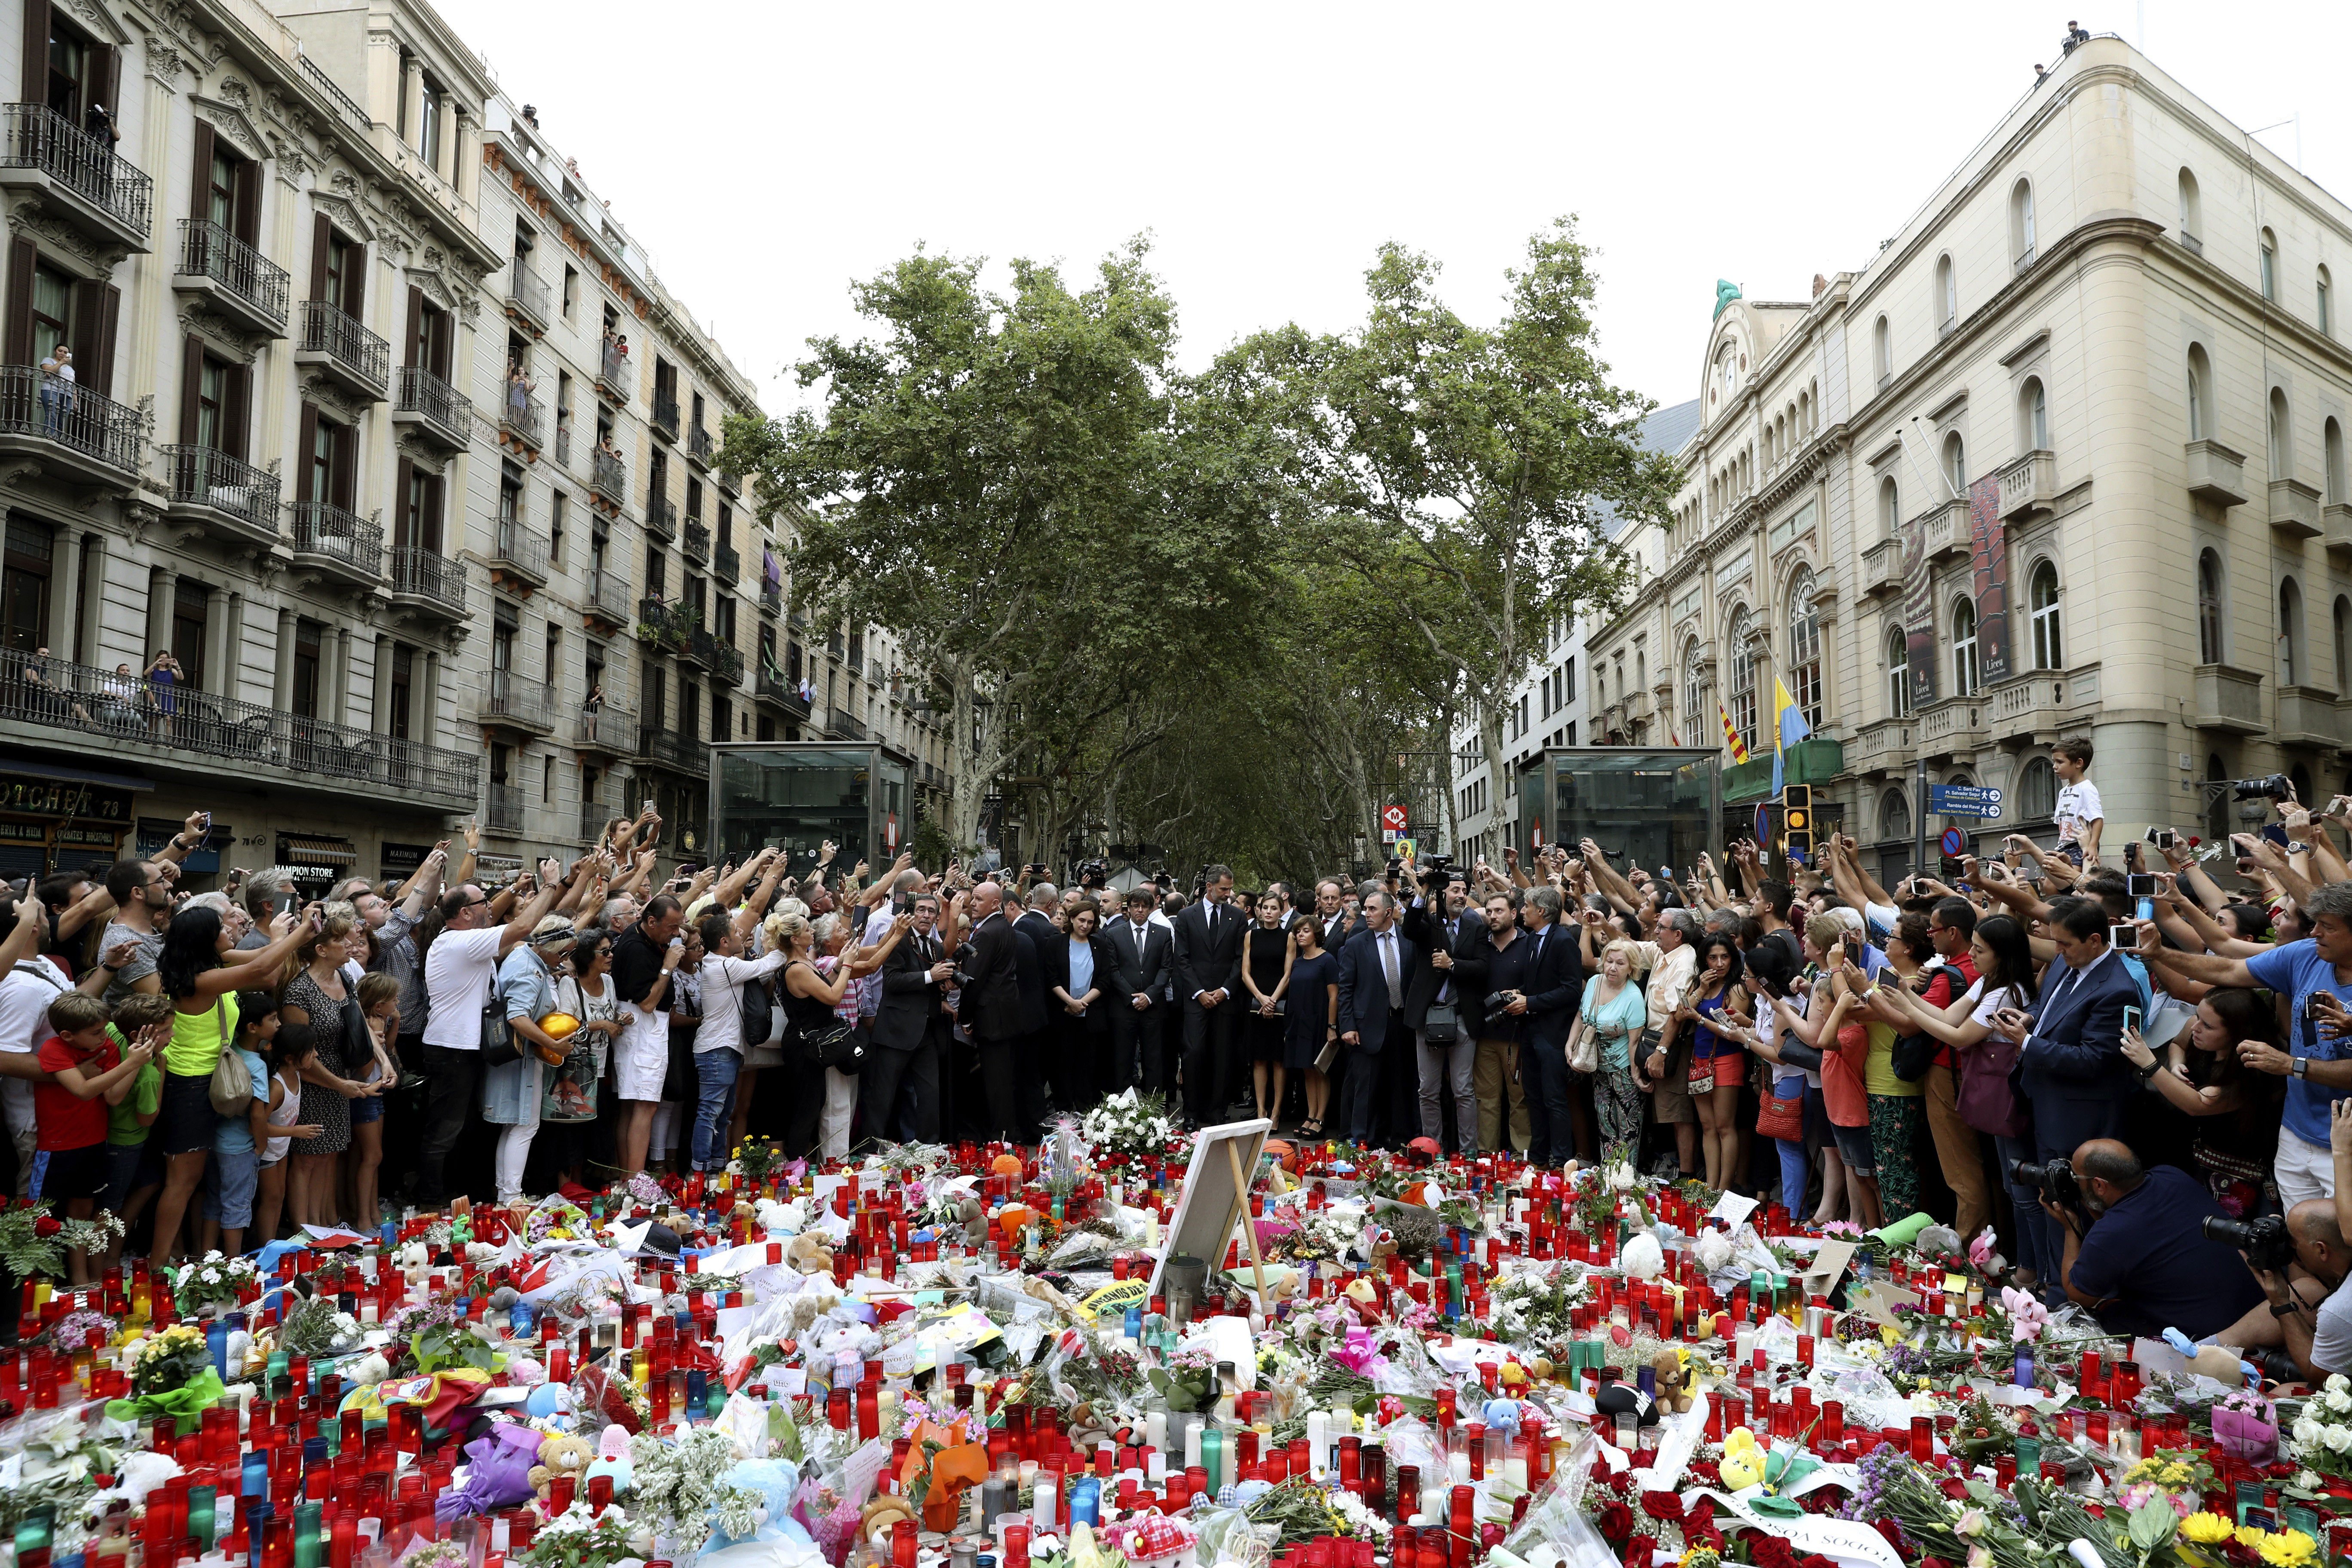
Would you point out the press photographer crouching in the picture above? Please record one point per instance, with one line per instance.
(2301, 1262)
(2137, 1255)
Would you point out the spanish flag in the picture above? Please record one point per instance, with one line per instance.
(1730, 736)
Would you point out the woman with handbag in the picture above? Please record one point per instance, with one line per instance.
(1782, 1116)
(1312, 1023)
(570, 1106)
(814, 987)
(1612, 1016)
(1898, 1107)
(1715, 996)
(321, 996)
(514, 1073)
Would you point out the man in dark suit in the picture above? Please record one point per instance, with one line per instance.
(1555, 989)
(1373, 968)
(1141, 964)
(1038, 934)
(1208, 964)
(902, 1078)
(1434, 922)
(2071, 1069)
(991, 1007)
(1331, 914)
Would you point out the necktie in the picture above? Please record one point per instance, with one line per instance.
(1389, 966)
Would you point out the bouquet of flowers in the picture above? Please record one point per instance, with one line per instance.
(2321, 1440)
(1129, 1126)
(1535, 1305)
(318, 1328)
(59, 1473)
(1189, 1381)
(554, 1218)
(171, 1374)
(33, 1241)
(439, 1335)
(756, 1161)
(574, 1539)
(1303, 1511)
(72, 1332)
(213, 1279)
(684, 1483)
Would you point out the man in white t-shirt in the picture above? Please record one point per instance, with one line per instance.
(2080, 815)
(461, 967)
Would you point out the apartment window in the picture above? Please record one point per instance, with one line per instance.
(2209, 608)
(1805, 647)
(1881, 352)
(2201, 424)
(420, 516)
(656, 572)
(432, 110)
(1963, 647)
(2291, 665)
(2033, 415)
(1695, 714)
(571, 292)
(2049, 650)
(2282, 433)
(403, 672)
(341, 272)
(2037, 790)
(25, 586)
(52, 314)
(2020, 221)
(2333, 455)
(2320, 311)
(429, 335)
(726, 525)
(305, 695)
(191, 619)
(689, 708)
(1568, 682)
(722, 714)
(509, 501)
(1898, 674)
(1743, 677)
(2270, 266)
(1956, 463)
(1895, 815)
(693, 501)
(547, 780)
(1947, 296)
(1890, 509)
(653, 698)
(2192, 218)
(561, 509)
(552, 651)
(333, 457)
(2343, 622)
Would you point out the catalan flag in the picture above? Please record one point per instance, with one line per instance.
(1730, 736)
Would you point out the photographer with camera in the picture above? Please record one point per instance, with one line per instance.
(1493, 977)
(1445, 1030)
(2140, 1249)
(2303, 1262)
(2316, 973)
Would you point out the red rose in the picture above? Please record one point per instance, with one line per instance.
(1662, 1505)
(1891, 1531)
(1700, 1515)
(2282, 1471)
(1615, 1522)
(47, 1226)
(1640, 1549)
(1815, 1559)
(1770, 1552)
(1956, 1488)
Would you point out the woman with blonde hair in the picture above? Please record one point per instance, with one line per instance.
(319, 996)
(817, 978)
(1613, 1013)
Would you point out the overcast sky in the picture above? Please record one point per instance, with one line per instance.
(769, 153)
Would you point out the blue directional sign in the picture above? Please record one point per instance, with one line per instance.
(1964, 800)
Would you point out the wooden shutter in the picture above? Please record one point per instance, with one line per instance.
(408, 345)
(89, 338)
(322, 240)
(433, 490)
(106, 79)
(235, 416)
(200, 206)
(347, 461)
(192, 387)
(22, 257)
(403, 527)
(355, 271)
(306, 442)
(36, 53)
(101, 375)
(248, 202)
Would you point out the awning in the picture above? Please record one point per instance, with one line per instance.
(35, 769)
(315, 850)
(1810, 761)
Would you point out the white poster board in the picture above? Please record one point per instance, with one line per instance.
(1212, 1203)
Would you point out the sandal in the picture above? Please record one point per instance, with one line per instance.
(1311, 1128)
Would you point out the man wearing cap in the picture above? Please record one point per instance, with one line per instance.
(512, 1087)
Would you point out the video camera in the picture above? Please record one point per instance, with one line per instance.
(2264, 1241)
(2053, 1179)
(2273, 787)
(1093, 873)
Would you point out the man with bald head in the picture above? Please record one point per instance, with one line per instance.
(2137, 1254)
(2305, 1312)
(990, 1009)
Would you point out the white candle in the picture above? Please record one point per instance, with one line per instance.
(1192, 1445)
(1045, 1512)
(1155, 1429)
(1155, 1467)
(1318, 1443)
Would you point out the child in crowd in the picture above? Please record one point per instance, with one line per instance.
(87, 1075)
(281, 1094)
(234, 1171)
(134, 1172)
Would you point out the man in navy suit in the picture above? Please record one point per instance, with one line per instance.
(1142, 961)
(1207, 960)
(1375, 968)
(2072, 1072)
(1555, 989)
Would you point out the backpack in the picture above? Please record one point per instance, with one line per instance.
(1915, 1054)
(759, 1012)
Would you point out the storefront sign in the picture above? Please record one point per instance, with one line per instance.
(63, 800)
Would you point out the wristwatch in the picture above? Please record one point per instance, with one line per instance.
(2299, 1067)
(2287, 1308)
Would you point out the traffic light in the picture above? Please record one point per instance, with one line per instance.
(1796, 820)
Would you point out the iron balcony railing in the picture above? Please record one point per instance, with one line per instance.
(702, 647)
(665, 414)
(607, 730)
(608, 594)
(506, 695)
(845, 726)
(328, 330)
(729, 666)
(202, 476)
(37, 137)
(677, 751)
(695, 544)
(427, 395)
(776, 687)
(610, 477)
(502, 808)
(699, 444)
(429, 574)
(528, 291)
(70, 415)
(244, 738)
(616, 373)
(208, 251)
(526, 418)
(563, 443)
(522, 548)
(771, 598)
(726, 564)
(345, 536)
(661, 515)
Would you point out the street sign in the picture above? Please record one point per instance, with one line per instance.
(1964, 800)
(1391, 835)
(1953, 841)
(1392, 818)
(890, 833)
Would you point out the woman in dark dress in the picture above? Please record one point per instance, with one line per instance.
(1314, 1015)
(1266, 972)
(1078, 978)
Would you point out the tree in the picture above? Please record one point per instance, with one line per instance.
(990, 479)
(1465, 473)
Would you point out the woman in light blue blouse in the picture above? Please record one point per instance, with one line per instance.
(1078, 972)
(1614, 1012)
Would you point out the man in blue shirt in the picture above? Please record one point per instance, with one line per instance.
(2316, 973)
(2138, 1257)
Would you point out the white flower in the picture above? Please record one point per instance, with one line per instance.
(1970, 1523)
(2337, 1379)
(2308, 1481)
(2306, 1431)
(2337, 1438)
(2337, 1400)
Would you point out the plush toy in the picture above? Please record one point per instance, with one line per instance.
(810, 1253)
(560, 1455)
(1671, 1369)
(1643, 1257)
(1742, 1465)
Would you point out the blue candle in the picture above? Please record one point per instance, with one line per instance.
(216, 1341)
(1086, 1501)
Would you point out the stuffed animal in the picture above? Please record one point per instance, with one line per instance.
(1643, 1257)
(1742, 1465)
(810, 1253)
(561, 1456)
(1672, 1370)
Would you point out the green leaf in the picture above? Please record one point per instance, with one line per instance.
(2153, 1524)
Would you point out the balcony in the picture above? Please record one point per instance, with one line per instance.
(662, 625)
(695, 545)
(2229, 699)
(78, 177)
(243, 285)
(519, 555)
(525, 421)
(780, 693)
(429, 581)
(661, 516)
(667, 747)
(771, 598)
(2308, 717)
(726, 565)
(1951, 725)
(665, 420)
(608, 731)
(615, 376)
(1882, 568)
(527, 297)
(97, 717)
(2216, 474)
(433, 408)
(2294, 509)
(608, 596)
(1948, 534)
(71, 432)
(351, 356)
(2029, 485)
(727, 669)
(1880, 747)
(700, 445)
(700, 647)
(595, 817)
(842, 725)
(337, 543)
(609, 477)
(233, 500)
(2029, 711)
(729, 480)
(510, 702)
(502, 808)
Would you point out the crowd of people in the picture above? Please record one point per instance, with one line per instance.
(2040, 1043)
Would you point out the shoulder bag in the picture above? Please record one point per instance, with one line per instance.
(231, 1090)
(1784, 1116)
(838, 1045)
(1914, 1054)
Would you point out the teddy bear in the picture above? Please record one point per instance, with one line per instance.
(560, 1455)
(1673, 1377)
(809, 1253)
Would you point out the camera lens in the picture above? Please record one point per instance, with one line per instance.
(2221, 1228)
